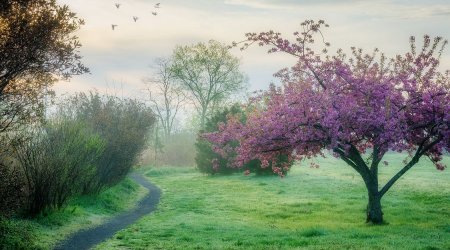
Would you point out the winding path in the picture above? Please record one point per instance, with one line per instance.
(88, 238)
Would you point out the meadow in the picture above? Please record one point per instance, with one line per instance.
(313, 208)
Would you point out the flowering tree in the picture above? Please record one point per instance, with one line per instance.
(210, 162)
(353, 105)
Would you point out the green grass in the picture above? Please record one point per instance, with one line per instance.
(311, 208)
(82, 212)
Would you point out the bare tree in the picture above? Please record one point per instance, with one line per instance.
(165, 95)
(209, 73)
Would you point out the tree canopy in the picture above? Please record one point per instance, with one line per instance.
(37, 47)
(37, 40)
(209, 73)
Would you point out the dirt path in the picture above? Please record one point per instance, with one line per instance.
(88, 238)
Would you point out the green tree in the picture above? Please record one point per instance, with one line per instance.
(209, 73)
(37, 48)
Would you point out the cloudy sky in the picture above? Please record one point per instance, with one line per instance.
(119, 59)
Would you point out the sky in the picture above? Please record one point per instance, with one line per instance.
(119, 59)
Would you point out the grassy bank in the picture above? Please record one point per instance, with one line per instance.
(83, 212)
(312, 208)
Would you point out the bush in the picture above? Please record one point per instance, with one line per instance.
(123, 124)
(210, 162)
(11, 185)
(57, 160)
(90, 143)
(205, 154)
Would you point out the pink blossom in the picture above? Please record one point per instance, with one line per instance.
(343, 103)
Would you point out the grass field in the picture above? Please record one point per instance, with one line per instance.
(311, 208)
(83, 212)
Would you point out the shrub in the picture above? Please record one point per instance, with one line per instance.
(90, 143)
(210, 162)
(123, 124)
(56, 160)
(11, 185)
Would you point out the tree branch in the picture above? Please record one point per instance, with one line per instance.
(420, 151)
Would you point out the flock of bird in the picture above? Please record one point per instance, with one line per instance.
(135, 18)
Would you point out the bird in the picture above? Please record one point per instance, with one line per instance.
(154, 13)
(117, 5)
(135, 18)
(113, 26)
(157, 5)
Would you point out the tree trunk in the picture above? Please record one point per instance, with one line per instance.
(374, 213)
(203, 118)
